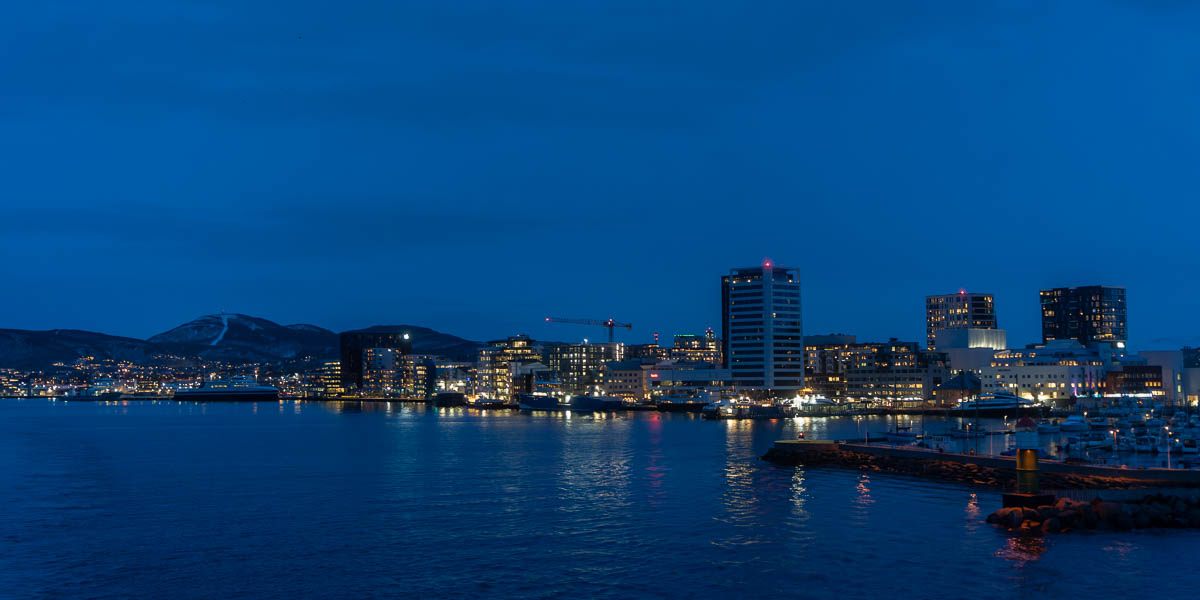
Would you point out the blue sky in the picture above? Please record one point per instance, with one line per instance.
(476, 167)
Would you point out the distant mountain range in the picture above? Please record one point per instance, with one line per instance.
(227, 337)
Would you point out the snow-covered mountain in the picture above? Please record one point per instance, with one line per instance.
(235, 336)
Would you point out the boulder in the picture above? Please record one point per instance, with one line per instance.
(1070, 518)
(1193, 517)
(1051, 525)
(1141, 519)
(1015, 517)
(1123, 522)
(1107, 511)
(1047, 511)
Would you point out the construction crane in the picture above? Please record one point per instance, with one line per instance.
(609, 324)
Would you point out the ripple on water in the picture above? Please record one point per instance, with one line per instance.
(161, 500)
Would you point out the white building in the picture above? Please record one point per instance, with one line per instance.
(970, 349)
(1059, 370)
(761, 329)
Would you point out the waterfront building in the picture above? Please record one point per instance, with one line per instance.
(1191, 376)
(957, 311)
(651, 352)
(10, 384)
(1087, 314)
(1171, 364)
(1053, 372)
(328, 380)
(761, 331)
(418, 377)
(578, 365)
(826, 358)
(534, 377)
(624, 379)
(970, 349)
(1135, 380)
(455, 376)
(352, 343)
(696, 348)
(381, 372)
(686, 378)
(895, 372)
(961, 387)
(495, 370)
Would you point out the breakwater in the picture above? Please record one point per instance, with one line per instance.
(1152, 510)
(992, 471)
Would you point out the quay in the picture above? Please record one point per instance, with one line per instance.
(994, 471)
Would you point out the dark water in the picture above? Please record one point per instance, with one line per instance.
(309, 500)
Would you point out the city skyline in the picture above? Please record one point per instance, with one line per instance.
(326, 169)
(648, 333)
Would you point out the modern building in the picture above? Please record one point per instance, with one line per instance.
(578, 365)
(624, 379)
(1171, 364)
(352, 344)
(323, 381)
(683, 378)
(896, 372)
(958, 311)
(1135, 380)
(761, 331)
(826, 358)
(498, 364)
(1088, 315)
(390, 373)
(970, 349)
(696, 348)
(1051, 373)
(651, 352)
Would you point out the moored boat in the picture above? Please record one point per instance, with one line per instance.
(994, 404)
(235, 389)
(1074, 424)
(448, 399)
(543, 402)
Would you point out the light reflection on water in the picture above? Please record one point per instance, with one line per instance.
(360, 499)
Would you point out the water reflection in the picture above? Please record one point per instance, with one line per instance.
(1022, 549)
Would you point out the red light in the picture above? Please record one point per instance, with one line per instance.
(962, 292)
(547, 318)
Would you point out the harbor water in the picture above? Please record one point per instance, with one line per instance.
(377, 500)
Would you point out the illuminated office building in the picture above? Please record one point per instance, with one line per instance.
(353, 343)
(498, 364)
(762, 335)
(578, 365)
(958, 311)
(1088, 315)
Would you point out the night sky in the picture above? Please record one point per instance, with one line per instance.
(475, 167)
